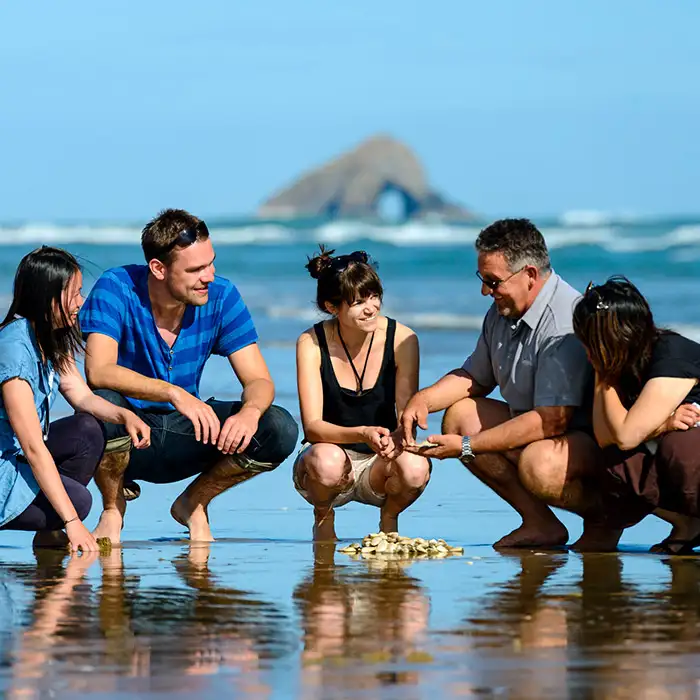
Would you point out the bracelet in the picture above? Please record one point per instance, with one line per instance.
(65, 522)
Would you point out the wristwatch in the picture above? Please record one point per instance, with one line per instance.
(467, 456)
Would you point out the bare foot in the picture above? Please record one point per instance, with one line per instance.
(684, 536)
(324, 526)
(388, 523)
(550, 534)
(110, 525)
(194, 519)
(597, 538)
(56, 539)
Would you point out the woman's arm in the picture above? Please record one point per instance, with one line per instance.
(601, 427)
(407, 354)
(81, 398)
(660, 396)
(18, 400)
(311, 397)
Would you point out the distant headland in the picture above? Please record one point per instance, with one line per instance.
(353, 184)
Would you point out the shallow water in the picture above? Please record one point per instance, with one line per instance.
(260, 613)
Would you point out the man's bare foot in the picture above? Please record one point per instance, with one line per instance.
(56, 539)
(550, 534)
(324, 526)
(194, 519)
(684, 537)
(388, 523)
(597, 538)
(110, 525)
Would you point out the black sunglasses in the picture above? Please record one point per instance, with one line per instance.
(592, 289)
(493, 285)
(188, 237)
(342, 261)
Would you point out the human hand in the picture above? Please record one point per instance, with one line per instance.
(392, 445)
(684, 417)
(204, 419)
(238, 430)
(80, 537)
(445, 446)
(415, 413)
(139, 432)
(373, 436)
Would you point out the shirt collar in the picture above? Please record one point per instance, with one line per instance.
(533, 315)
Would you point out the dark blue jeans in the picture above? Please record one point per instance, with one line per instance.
(175, 453)
(76, 444)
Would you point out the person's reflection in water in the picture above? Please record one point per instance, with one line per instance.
(360, 624)
(125, 636)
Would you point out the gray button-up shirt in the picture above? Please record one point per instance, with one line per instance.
(536, 360)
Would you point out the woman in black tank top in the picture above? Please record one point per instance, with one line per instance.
(355, 373)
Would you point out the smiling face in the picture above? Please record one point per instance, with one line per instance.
(516, 289)
(188, 273)
(361, 315)
(71, 301)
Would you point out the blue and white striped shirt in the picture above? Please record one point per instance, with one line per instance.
(119, 306)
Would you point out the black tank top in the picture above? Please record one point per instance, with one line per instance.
(375, 406)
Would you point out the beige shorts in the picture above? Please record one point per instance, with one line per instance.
(360, 490)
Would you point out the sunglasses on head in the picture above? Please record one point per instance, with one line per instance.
(342, 261)
(592, 289)
(188, 237)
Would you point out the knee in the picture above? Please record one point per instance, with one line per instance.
(412, 470)
(82, 501)
(461, 418)
(541, 470)
(282, 434)
(326, 464)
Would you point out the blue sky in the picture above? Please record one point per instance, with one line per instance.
(113, 110)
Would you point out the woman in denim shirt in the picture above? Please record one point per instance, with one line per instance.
(45, 468)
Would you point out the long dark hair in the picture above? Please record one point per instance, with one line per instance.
(615, 324)
(343, 278)
(40, 279)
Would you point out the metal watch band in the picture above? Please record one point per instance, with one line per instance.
(467, 455)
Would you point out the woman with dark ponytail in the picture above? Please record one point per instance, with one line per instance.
(355, 373)
(646, 410)
(45, 467)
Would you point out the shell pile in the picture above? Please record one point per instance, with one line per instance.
(397, 546)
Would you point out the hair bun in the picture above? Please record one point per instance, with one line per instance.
(320, 263)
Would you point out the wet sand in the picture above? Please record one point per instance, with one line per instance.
(264, 613)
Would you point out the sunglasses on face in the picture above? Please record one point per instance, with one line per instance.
(188, 237)
(493, 285)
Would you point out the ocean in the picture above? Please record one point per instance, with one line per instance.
(259, 612)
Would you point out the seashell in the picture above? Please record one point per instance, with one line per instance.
(382, 546)
(375, 541)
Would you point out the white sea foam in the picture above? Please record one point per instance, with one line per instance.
(615, 238)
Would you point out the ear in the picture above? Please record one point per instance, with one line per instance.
(157, 268)
(330, 308)
(533, 274)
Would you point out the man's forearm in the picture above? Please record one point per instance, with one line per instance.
(258, 394)
(129, 383)
(448, 390)
(514, 433)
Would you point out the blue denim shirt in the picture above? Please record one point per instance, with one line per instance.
(20, 357)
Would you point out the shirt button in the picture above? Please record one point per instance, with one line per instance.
(170, 369)
(171, 352)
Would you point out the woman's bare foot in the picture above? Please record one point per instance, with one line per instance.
(548, 534)
(56, 539)
(597, 538)
(194, 519)
(110, 525)
(324, 526)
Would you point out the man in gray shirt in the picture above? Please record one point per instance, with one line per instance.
(533, 448)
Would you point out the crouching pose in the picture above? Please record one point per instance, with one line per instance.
(151, 329)
(45, 467)
(355, 374)
(645, 412)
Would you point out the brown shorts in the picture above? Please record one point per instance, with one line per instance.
(640, 481)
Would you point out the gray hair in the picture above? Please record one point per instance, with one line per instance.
(519, 240)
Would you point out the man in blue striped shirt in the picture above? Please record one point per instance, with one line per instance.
(150, 330)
